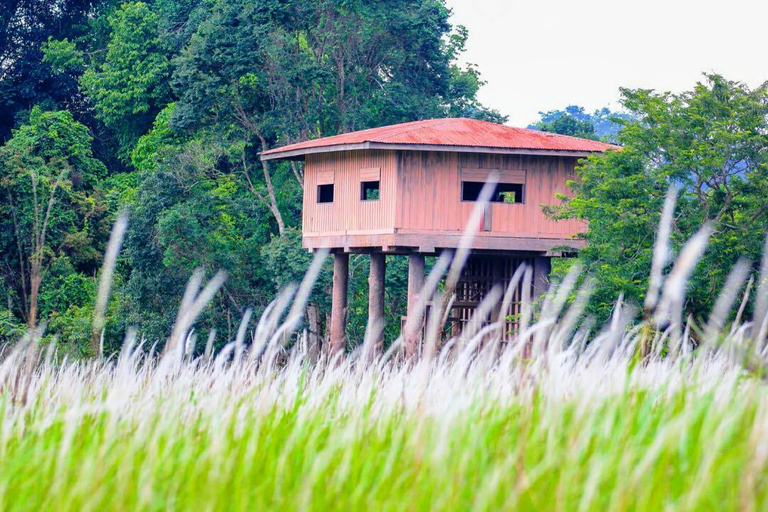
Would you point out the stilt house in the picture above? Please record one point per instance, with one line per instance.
(409, 189)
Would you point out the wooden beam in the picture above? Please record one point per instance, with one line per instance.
(376, 279)
(339, 302)
(299, 154)
(488, 217)
(502, 175)
(415, 321)
(437, 240)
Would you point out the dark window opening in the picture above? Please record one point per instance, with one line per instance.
(369, 191)
(510, 193)
(325, 193)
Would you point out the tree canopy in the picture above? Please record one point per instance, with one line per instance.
(602, 124)
(51, 206)
(710, 144)
(164, 106)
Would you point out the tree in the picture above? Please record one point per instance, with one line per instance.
(180, 96)
(566, 123)
(573, 120)
(25, 80)
(192, 212)
(323, 67)
(130, 86)
(269, 72)
(711, 144)
(285, 259)
(49, 208)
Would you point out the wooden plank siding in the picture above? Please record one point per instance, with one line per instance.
(420, 199)
(430, 185)
(348, 214)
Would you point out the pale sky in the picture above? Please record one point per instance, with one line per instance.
(543, 55)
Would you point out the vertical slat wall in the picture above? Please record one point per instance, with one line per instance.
(477, 279)
(347, 214)
(431, 193)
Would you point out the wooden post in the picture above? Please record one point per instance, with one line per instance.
(339, 302)
(376, 279)
(415, 286)
(497, 271)
(542, 266)
(313, 321)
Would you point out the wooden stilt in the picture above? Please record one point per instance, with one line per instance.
(414, 323)
(542, 266)
(376, 279)
(339, 302)
(313, 321)
(499, 262)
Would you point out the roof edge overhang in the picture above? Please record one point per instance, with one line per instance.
(299, 154)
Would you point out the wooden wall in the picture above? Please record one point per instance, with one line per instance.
(347, 214)
(430, 193)
(420, 193)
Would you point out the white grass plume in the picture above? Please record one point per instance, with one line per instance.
(105, 282)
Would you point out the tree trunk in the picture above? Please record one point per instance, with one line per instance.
(272, 198)
(33, 298)
(253, 127)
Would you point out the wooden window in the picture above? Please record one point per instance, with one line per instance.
(370, 182)
(509, 193)
(325, 193)
(369, 191)
(370, 174)
(325, 178)
(502, 175)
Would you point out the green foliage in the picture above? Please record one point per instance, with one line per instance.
(287, 262)
(573, 120)
(63, 56)
(26, 79)
(131, 85)
(51, 220)
(64, 288)
(51, 140)
(568, 125)
(710, 143)
(191, 212)
(169, 103)
(295, 70)
(161, 137)
(11, 330)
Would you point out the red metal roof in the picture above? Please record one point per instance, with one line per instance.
(456, 133)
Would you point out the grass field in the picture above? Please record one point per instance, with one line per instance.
(652, 414)
(561, 433)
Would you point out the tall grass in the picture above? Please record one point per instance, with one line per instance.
(569, 430)
(647, 413)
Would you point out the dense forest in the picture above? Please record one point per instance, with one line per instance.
(160, 108)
